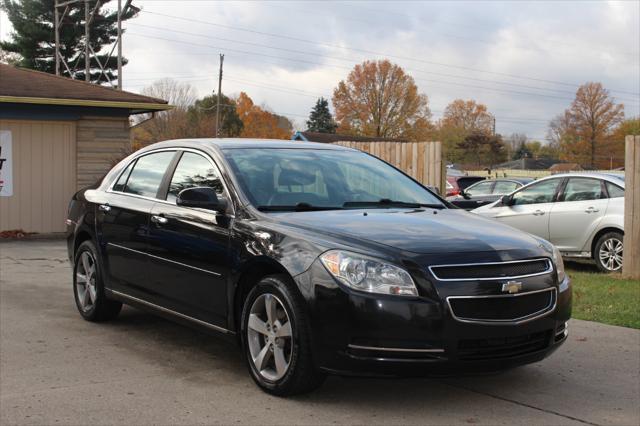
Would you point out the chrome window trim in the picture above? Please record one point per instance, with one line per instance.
(169, 311)
(227, 193)
(547, 271)
(166, 260)
(383, 349)
(513, 321)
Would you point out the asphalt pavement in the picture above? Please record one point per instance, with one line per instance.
(56, 368)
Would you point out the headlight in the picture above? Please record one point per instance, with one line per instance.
(557, 259)
(366, 274)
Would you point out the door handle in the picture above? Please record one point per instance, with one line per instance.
(592, 210)
(104, 207)
(538, 213)
(160, 220)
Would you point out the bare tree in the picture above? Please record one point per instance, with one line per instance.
(171, 124)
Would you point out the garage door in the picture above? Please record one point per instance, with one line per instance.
(44, 175)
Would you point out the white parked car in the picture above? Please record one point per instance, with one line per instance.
(580, 213)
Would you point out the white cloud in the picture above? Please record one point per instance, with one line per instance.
(449, 48)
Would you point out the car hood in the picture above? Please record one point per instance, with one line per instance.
(487, 210)
(422, 231)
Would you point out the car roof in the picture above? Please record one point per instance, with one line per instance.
(237, 143)
(616, 178)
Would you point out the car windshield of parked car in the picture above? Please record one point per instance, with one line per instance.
(298, 179)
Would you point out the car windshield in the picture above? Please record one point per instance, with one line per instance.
(309, 179)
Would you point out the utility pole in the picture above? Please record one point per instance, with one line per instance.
(119, 44)
(494, 126)
(219, 96)
(87, 59)
(56, 25)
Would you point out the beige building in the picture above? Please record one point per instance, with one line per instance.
(57, 135)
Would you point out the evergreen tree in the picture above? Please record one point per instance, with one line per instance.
(33, 37)
(320, 119)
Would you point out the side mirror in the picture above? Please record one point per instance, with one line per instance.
(201, 197)
(465, 194)
(506, 200)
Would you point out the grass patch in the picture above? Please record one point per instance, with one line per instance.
(605, 298)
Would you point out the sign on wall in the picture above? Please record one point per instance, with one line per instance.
(6, 164)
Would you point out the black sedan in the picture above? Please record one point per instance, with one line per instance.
(486, 192)
(317, 259)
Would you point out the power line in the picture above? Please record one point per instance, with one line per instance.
(301, 40)
(349, 60)
(248, 53)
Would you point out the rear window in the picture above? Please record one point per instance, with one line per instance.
(614, 190)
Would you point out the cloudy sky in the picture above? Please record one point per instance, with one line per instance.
(524, 60)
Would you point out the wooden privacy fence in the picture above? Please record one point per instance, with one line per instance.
(420, 160)
(631, 257)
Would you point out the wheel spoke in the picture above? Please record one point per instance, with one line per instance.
(604, 254)
(255, 323)
(284, 330)
(270, 306)
(85, 263)
(81, 278)
(86, 299)
(263, 357)
(281, 362)
(91, 289)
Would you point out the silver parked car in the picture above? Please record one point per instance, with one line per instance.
(580, 213)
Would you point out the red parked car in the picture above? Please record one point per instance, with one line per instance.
(457, 183)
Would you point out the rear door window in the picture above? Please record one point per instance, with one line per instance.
(583, 189)
(147, 174)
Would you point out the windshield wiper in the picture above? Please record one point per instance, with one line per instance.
(300, 207)
(386, 202)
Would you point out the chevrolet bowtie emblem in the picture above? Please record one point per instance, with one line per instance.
(512, 287)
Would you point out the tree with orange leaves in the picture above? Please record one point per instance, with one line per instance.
(260, 123)
(379, 99)
(585, 129)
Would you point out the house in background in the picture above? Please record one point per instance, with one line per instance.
(527, 164)
(63, 134)
(333, 137)
(565, 167)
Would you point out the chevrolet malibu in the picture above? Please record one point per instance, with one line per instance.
(317, 259)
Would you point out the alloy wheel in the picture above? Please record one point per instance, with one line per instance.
(86, 281)
(269, 337)
(611, 254)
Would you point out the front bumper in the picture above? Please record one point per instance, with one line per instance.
(366, 334)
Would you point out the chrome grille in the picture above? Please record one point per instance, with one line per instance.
(492, 271)
(503, 308)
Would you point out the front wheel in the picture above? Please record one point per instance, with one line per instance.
(276, 339)
(608, 252)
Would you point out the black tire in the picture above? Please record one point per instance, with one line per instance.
(301, 375)
(101, 308)
(608, 243)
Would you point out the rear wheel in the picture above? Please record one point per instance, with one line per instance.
(276, 339)
(608, 252)
(88, 287)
